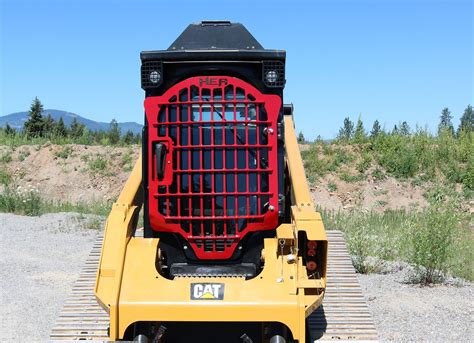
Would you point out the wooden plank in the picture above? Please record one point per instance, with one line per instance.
(344, 314)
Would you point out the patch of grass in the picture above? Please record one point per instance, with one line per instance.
(23, 154)
(127, 161)
(64, 153)
(28, 201)
(332, 187)
(435, 240)
(378, 174)
(380, 192)
(322, 158)
(94, 224)
(6, 157)
(5, 177)
(365, 163)
(22, 201)
(98, 165)
(345, 176)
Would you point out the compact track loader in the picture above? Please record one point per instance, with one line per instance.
(231, 248)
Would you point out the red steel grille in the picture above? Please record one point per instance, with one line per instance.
(220, 176)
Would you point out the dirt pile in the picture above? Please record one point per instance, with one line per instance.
(97, 173)
(71, 172)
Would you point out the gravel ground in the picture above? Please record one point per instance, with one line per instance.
(42, 256)
(410, 313)
(40, 259)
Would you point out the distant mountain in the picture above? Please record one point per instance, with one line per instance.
(17, 120)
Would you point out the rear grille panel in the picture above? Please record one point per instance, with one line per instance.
(220, 176)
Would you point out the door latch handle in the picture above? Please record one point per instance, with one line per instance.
(160, 160)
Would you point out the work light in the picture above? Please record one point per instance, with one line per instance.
(273, 73)
(271, 76)
(155, 76)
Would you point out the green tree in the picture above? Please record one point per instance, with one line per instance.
(34, 124)
(395, 130)
(346, 132)
(138, 138)
(114, 132)
(405, 129)
(10, 131)
(376, 129)
(48, 125)
(60, 129)
(77, 129)
(128, 137)
(467, 121)
(445, 123)
(301, 138)
(359, 134)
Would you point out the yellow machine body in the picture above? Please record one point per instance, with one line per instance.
(131, 290)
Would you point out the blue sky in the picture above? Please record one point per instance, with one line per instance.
(383, 59)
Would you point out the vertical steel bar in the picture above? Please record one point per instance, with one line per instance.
(236, 185)
(201, 165)
(167, 187)
(178, 154)
(212, 152)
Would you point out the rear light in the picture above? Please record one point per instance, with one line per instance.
(311, 265)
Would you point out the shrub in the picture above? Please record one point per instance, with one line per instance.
(432, 242)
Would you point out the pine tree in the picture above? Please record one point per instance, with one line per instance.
(60, 129)
(34, 125)
(445, 123)
(347, 130)
(405, 129)
(138, 138)
(10, 131)
(48, 125)
(395, 130)
(359, 134)
(77, 129)
(376, 129)
(467, 121)
(301, 138)
(114, 132)
(128, 137)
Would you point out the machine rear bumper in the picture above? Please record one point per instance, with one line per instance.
(275, 295)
